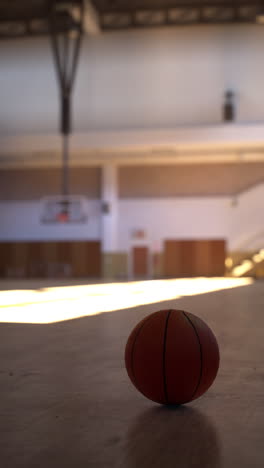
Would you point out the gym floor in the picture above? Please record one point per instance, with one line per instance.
(66, 400)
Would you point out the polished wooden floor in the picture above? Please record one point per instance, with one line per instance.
(66, 400)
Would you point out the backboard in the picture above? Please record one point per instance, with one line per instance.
(63, 209)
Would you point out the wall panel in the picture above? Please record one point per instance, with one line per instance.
(188, 179)
(187, 258)
(50, 259)
(31, 184)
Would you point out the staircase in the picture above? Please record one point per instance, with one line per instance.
(249, 266)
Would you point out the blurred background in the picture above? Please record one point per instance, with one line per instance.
(131, 139)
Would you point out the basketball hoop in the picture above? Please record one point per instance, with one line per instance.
(64, 209)
(63, 217)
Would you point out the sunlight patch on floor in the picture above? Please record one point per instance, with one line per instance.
(55, 304)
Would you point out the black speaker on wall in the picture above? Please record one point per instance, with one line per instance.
(229, 107)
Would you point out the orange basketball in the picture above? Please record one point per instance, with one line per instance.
(172, 357)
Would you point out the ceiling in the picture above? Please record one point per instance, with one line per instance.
(32, 17)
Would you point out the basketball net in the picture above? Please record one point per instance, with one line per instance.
(63, 217)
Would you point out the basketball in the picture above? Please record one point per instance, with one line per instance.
(172, 357)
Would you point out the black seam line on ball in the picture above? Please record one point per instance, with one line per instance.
(164, 357)
(133, 346)
(201, 354)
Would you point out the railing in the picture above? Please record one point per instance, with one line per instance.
(249, 243)
(248, 264)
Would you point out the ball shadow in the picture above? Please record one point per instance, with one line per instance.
(171, 436)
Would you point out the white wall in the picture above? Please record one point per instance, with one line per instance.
(28, 87)
(145, 79)
(246, 225)
(241, 225)
(21, 221)
(182, 218)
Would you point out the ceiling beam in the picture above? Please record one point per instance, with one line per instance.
(181, 15)
(33, 22)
